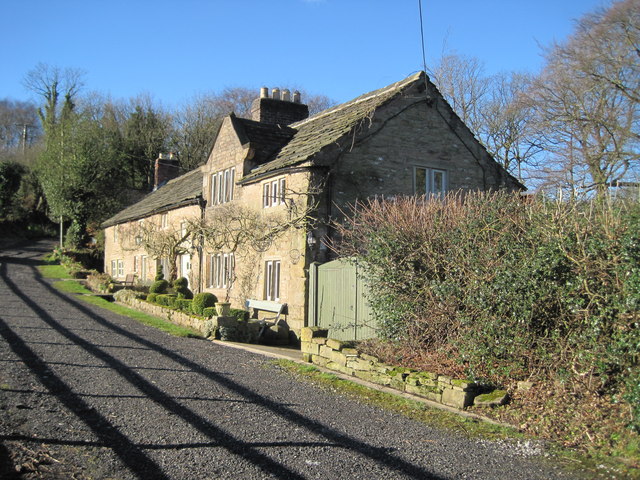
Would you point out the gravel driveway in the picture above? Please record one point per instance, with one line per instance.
(92, 394)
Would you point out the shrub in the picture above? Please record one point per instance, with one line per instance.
(159, 274)
(98, 282)
(202, 301)
(152, 298)
(181, 288)
(125, 295)
(166, 300)
(514, 290)
(241, 315)
(183, 304)
(159, 286)
(209, 312)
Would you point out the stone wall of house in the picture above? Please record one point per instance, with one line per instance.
(250, 263)
(120, 244)
(338, 356)
(384, 157)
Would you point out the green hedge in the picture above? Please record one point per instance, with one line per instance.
(209, 312)
(183, 304)
(516, 290)
(203, 300)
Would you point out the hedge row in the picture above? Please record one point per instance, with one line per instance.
(518, 290)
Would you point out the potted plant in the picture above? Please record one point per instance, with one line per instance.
(224, 308)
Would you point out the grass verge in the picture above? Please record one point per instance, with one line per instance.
(416, 410)
(594, 467)
(53, 271)
(72, 286)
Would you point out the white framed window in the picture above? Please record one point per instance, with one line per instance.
(143, 267)
(115, 234)
(120, 268)
(164, 220)
(283, 185)
(114, 268)
(429, 181)
(272, 280)
(273, 193)
(135, 264)
(222, 186)
(266, 195)
(221, 270)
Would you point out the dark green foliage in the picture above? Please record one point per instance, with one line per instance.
(160, 286)
(181, 288)
(241, 315)
(203, 300)
(159, 274)
(209, 312)
(183, 304)
(547, 290)
(152, 297)
(11, 174)
(166, 300)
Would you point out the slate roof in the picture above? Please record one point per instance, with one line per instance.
(265, 138)
(181, 191)
(326, 127)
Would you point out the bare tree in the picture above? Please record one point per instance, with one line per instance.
(585, 102)
(196, 124)
(494, 108)
(50, 83)
(463, 83)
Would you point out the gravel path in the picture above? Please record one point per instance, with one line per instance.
(89, 394)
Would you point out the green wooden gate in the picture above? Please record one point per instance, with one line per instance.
(337, 300)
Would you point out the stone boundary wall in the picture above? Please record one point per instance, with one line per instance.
(336, 355)
(173, 316)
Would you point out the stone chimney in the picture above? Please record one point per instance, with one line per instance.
(279, 108)
(166, 168)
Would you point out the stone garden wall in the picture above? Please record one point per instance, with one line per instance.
(338, 356)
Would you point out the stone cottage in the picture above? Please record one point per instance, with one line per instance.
(249, 222)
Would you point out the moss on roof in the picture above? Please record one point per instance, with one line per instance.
(184, 190)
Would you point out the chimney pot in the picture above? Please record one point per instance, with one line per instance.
(286, 96)
(275, 94)
(296, 96)
(264, 92)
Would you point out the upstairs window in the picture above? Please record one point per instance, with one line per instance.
(222, 186)
(429, 181)
(273, 193)
(164, 220)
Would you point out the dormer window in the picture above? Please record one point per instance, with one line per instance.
(273, 193)
(221, 186)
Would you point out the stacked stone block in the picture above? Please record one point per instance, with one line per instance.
(335, 355)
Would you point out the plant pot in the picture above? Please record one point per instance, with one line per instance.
(223, 309)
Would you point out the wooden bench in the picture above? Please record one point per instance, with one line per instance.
(129, 280)
(267, 306)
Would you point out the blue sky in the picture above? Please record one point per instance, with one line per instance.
(174, 49)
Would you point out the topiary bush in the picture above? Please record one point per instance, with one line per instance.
(180, 285)
(209, 312)
(166, 300)
(152, 298)
(183, 304)
(159, 274)
(201, 301)
(241, 315)
(159, 286)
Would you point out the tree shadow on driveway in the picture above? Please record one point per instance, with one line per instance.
(131, 454)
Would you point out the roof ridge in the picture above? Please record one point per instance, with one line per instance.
(362, 98)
